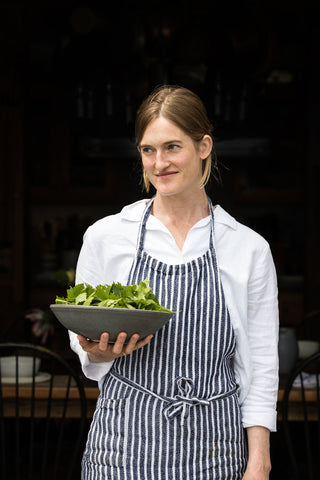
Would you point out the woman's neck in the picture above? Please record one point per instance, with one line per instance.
(185, 208)
(179, 214)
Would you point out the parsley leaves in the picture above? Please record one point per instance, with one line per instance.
(114, 296)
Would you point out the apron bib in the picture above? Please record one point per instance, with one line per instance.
(170, 410)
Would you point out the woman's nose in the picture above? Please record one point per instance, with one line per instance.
(161, 160)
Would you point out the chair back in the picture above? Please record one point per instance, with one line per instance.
(301, 400)
(42, 414)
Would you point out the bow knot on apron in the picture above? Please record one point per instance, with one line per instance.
(181, 403)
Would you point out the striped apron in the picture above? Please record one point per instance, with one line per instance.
(170, 411)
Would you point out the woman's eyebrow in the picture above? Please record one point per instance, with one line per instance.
(172, 141)
(143, 145)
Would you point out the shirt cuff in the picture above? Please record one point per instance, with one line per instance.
(95, 371)
(262, 419)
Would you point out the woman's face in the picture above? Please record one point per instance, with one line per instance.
(171, 159)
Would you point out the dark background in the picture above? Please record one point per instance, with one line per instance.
(71, 77)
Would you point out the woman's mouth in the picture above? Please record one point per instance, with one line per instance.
(165, 174)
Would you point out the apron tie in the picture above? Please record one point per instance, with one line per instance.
(181, 403)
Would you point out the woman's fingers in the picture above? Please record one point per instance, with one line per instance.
(131, 345)
(119, 343)
(144, 341)
(97, 351)
(134, 343)
(85, 343)
(104, 341)
(105, 351)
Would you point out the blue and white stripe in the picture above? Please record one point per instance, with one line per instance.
(170, 410)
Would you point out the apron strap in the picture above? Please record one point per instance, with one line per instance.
(211, 246)
(142, 228)
(145, 216)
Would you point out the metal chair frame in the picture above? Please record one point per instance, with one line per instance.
(20, 462)
(310, 469)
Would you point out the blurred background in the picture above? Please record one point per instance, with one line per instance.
(71, 77)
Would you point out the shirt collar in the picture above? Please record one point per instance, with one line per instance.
(221, 216)
(134, 211)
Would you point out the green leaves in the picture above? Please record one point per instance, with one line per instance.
(115, 296)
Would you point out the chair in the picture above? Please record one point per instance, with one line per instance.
(39, 439)
(303, 437)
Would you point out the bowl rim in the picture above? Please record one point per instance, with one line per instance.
(143, 311)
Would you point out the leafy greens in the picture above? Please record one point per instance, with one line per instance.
(114, 296)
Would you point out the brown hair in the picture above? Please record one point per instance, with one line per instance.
(183, 108)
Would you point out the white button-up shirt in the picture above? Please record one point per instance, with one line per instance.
(248, 278)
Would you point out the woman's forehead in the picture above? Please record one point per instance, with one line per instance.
(162, 130)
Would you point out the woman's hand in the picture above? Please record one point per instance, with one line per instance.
(103, 351)
(253, 473)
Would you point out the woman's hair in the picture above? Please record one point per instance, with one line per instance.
(183, 108)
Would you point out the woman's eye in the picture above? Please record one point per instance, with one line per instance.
(173, 147)
(146, 150)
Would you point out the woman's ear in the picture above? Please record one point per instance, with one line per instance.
(205, 146)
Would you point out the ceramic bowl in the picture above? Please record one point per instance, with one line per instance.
(307, 348)
(92, 321)
(25, 366)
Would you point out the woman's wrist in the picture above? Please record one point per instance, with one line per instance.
(259, 449)
(260, 464)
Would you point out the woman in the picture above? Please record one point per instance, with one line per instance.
(198, 399)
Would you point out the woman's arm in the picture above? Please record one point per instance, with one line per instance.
(259, 463)
(260, 403)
